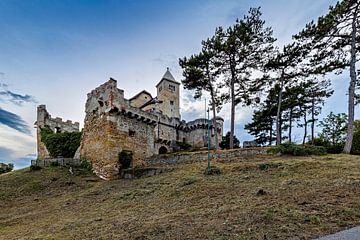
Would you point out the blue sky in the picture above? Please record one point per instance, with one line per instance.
(55, 52)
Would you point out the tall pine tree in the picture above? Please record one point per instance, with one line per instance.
(333, 43)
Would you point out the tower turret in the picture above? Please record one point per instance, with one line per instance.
(168, 94)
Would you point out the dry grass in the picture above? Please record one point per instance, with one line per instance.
(301, 198)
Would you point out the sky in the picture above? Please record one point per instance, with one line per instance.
(55, 52)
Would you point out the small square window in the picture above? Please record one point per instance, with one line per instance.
(171, 87)
(171, 102)
(131, 133)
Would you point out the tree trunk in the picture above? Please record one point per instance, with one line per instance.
(351, 101)
(313, 121)
(305, 128)
(271, 133)
(290, 123)
(214, 123)
(278, 125)
(232, 122)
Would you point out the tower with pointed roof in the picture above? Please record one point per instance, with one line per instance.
(168, 94)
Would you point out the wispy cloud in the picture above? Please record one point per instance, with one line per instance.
(16, 98)
(14, 121)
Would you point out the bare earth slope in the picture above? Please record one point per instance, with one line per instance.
(299, 198)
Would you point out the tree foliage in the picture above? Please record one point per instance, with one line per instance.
(334, 128)
(225, 143)
(62, 144)
(333, 44)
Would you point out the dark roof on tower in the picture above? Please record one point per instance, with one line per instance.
(168, 77)
(143, 91)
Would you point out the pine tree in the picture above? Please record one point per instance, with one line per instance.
(334, 128)
(333, 43)
(316, 92)
(201, 73)
(284, 71)
(244, 48)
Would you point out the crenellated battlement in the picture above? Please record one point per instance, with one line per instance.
(56, 124)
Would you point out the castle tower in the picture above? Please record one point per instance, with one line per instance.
(168, 95)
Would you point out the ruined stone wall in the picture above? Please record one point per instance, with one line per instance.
(106, 135)
(44, 119)
(113, 125)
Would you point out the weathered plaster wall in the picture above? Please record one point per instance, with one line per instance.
(140, 99)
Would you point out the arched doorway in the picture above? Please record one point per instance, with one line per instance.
(162, 150)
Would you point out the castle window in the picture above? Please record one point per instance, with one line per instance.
(160, 88)
(172, 88)
(131, 133)
(171, 102)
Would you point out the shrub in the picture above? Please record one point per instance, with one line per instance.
(62, 144)
(356, 139)
(125, 158)
(84, 164)
(212, 171)
(330, 148)
(35, 168)
(54, 164)
(183, 145)
(297, 150)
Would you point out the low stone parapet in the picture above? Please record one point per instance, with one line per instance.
(56, 161)
(187, 157)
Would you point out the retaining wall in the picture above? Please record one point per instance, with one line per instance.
(60, 161)
(187, 157)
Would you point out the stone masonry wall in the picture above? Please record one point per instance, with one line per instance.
(190, 157)
(112, 125)
(44, 119)
(106, 136)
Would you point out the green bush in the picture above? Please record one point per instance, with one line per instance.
(84, 164)
(125, 159)
(297, 150)
(54, 164)
(35, 168)
(330, 148)
(183, 145)
(62, 144)
(356, 139)
(213, 170)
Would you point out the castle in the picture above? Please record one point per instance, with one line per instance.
(143, 124)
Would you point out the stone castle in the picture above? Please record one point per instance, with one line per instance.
(143, 124)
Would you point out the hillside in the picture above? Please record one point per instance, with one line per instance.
(262, 198)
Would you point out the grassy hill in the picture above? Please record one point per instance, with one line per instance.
(262, 198)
